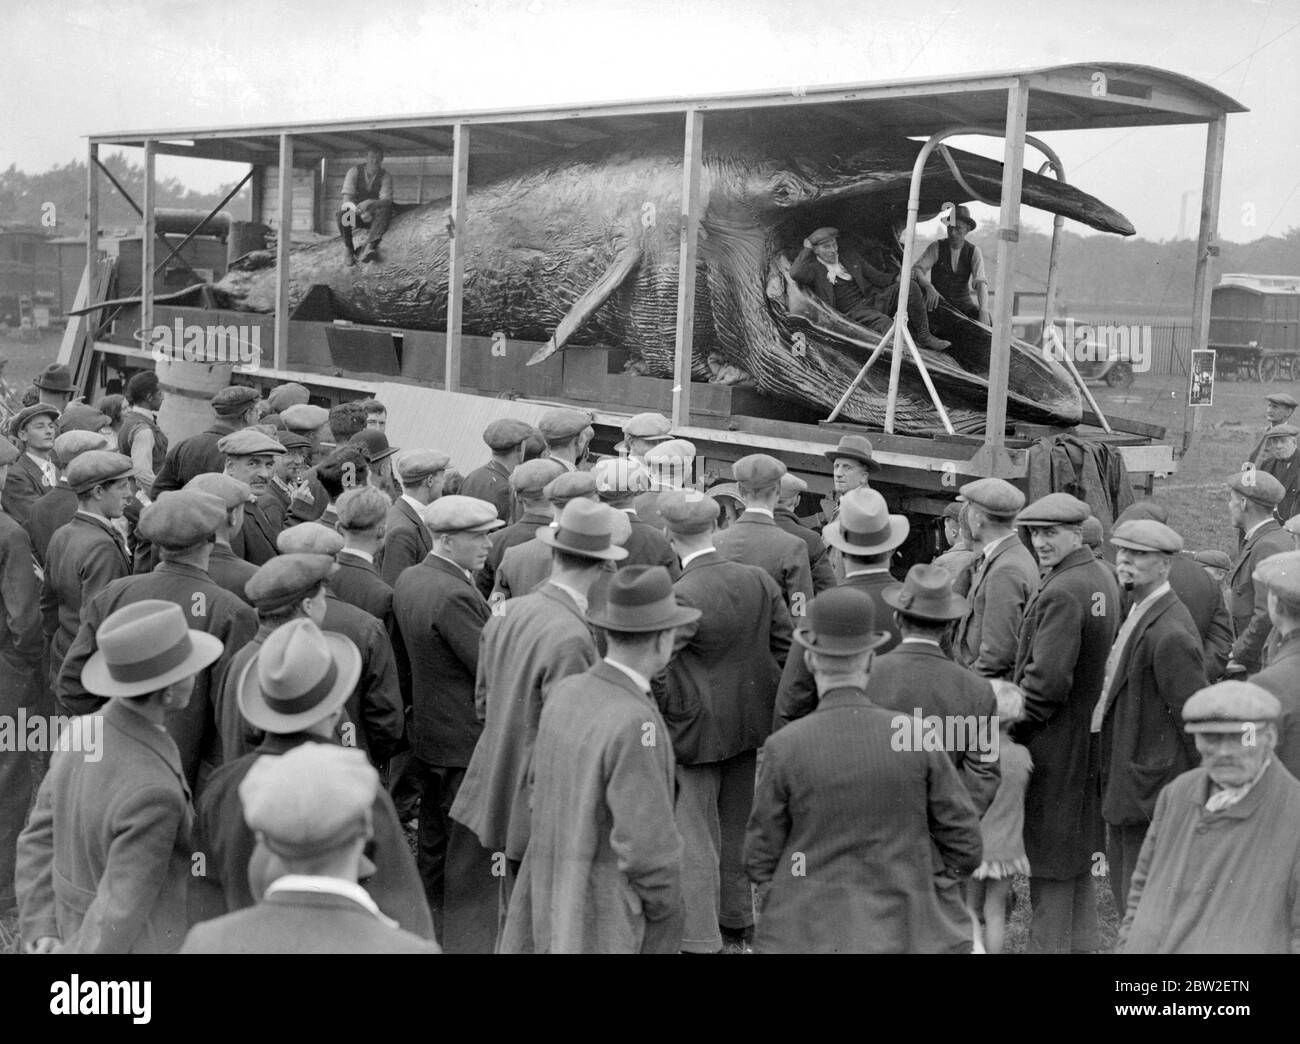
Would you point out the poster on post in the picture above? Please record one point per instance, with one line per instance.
(1200, 390)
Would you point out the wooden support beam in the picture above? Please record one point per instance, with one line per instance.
(692, 164)
(92, 209)
(1207, 249)
(456, 252)
(147, 240)
(283, 241)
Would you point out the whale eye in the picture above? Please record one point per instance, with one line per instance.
(788, 189)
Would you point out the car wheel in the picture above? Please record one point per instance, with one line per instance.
(1120, 376)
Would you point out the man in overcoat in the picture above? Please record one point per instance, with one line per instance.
(235, 407)
(406, 540)
(524, 567)
(619, 481)
(505, 438)
(250, 458)
(1252, 497)
(226, 568)
(527, 483)
(362, 513)
(823, 573)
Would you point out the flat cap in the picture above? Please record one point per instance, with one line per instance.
(532, 476)
(792, 485)
(1289, 430)
(757, 472)
(1093, 534)
(248, 442)
(416, 464)
(1213, 559)
(1055, 509)
(457, 514)
(309, 538)
(996, 497)
(952, 511)
(374, 444)
(292, 440)
(1282, 399)
(304, 417)
(362, 507)
(72, 444)
(96, 466)
(1228, 706)
(1259, 486)
(226, 488)
(670, 452)
(504, 435)
(289, 577)
(310, 800)
(182, 518)
(648, 426)
(282, 396)
(686, 511)
(562, 425)
(822, 234)
(1146, 534)
(80, 417)
(569, 486)
(1281, 575)
(9, 452)
(1147, 508)
(234, 399)
(727, 491)
(620, 477)
(29, 413)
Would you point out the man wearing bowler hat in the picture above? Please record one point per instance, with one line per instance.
(104, 862)
(226, 568)
(951, 272)
(529, 646)
(528, 483)
(293, 690)
(54, 383)
(312, 811)
(505, 438)
(1253, 496)
(718, 700)
(1219, 871)
(1153, 668)
(235, 408)
(602, 870)
(183, 526)
(866, 536)
(421, 474)
(854, 834)
(250, 458)
(1280, 574)
(1278, 407)
(440, 615)
(1060, 664)
(33, 474)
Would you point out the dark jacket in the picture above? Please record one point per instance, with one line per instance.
(1282, 678)
(1001, 585)
(406, 541)
(24, 486)
(1090, 470)
(491, 482)
(255, 541)
(230, 571)
(756, 539)
(55, 508)
(823, 576)
(502, 541)
(1286, 472)
(1250, 602)
(195, 455)
(648, 546)
(807, 270)
(1204, 600)
(21, 642)
(357, 582)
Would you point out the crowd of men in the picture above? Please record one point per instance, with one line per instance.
(612, 711)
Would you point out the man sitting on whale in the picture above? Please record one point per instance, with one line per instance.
(851, 285)
(367, 203)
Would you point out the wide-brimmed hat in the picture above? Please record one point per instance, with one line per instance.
(144, 647)
(586, 529)
(841, 622)
(926, 594)
(640, 599)
(54, 378)
(855, 447)
(865, 526)
(961, 215)
(298, 677)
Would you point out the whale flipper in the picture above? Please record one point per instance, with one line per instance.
(592, 298)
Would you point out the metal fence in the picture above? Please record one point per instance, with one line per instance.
(1167, 346)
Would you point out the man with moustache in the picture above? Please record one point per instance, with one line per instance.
(250, 459)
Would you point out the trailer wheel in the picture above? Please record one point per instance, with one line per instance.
(1120, 375)
(1268, 369)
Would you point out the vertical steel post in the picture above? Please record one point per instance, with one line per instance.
(283, 243)
(692, 165)
(148, 233)
(456, 251)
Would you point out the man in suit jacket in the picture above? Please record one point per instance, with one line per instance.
(104, 862)
(756, 539)
(875, 830)
(1003, 580)
(1278, 407)
(250, 458)
(525, 567)
(362, 513)
(718, 701)
(33, 473)
(792, 488)
(286, 475)
(226, 568)
(406, 540)
(1153, 668)
(1283, 463)
(235, 408)
(55, 507)
(441, 614)
(619, 481)
(602, 872)
(866, 535)
(505, 438)
(1060, 664)
(1281, 576)
(527, 483)
(1254, 496)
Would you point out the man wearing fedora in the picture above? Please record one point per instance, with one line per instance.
(718, 699)
(1003, 579)
(529, 645)
(1153, 668)
(440, 615)
(1252, 497)
(851, 468)
(853, 836)
(33, 474)
(755, 538)
(1060, 664)
(866, 535)
(951, 271)
(54, 383)
(235, 407)
(312, 809)
(406, 539)
(227, 569)
(602, 870)
(293, 690)
(183, 526)
(524, 567)
(104, 862)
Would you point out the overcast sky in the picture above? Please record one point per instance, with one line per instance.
(73, 68)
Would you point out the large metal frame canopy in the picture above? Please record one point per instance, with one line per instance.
(1080, 96)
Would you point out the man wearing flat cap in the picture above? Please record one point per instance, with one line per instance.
(528, 483)
(505, 438)
(671, 465)
(1253, 496)
(718, 700)
(823, 573)
(235, 408)
(105, 860)
(1153, 668)
(564, 431)
(525, 567)
(1280, 574)
(1060, 664)
(875, 829)
(1278, 407)
(362, 515)
(602, 870)
(643, 432)
(183, 526)
(619, 481)
(293, 690)
(1219, 871)
(282, 396)
(440, 615)
(307, 499)
(33, 473)
(55, 507)
(406, 538)
(1283, 463)
(80, 417)
(226, 568)
(250, 458)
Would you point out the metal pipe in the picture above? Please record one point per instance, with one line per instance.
(862, 373)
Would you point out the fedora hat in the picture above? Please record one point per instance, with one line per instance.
(841, 622)
(961, 215)
(926, 594)
(144, 647)
(299, 676)
(855, 447)
(865, 526)
(586, 529)
(640, 599)
(54, 378)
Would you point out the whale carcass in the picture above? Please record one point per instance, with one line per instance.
(581, 249)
